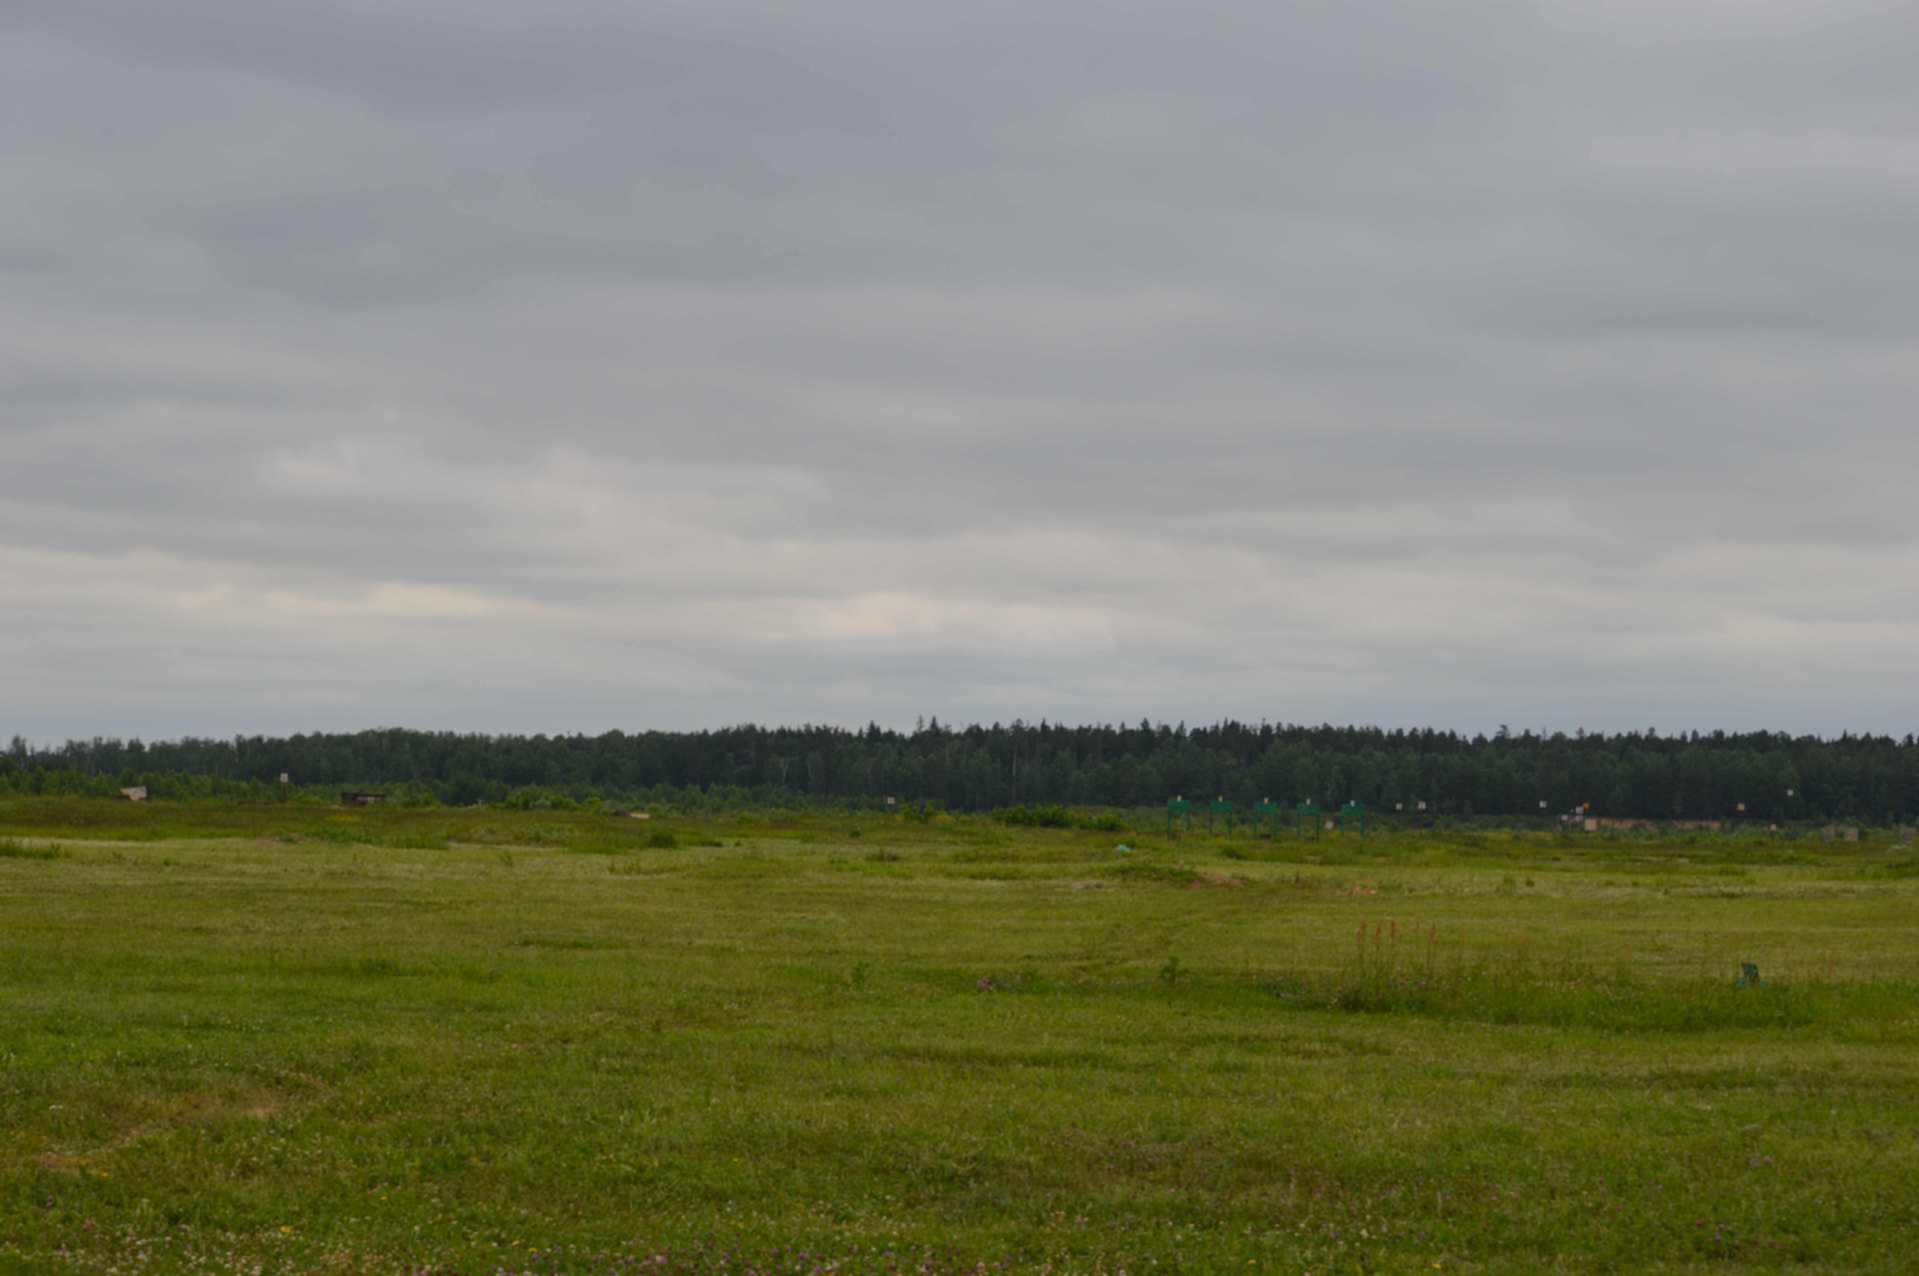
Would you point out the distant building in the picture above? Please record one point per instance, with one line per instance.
(138, 793)
(362, 799)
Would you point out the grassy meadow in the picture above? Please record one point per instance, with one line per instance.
(288, 1039)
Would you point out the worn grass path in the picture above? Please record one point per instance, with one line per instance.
(481, 1041)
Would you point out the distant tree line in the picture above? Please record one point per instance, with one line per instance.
(1648, 775)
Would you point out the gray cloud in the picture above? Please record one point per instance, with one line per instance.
(626, 365)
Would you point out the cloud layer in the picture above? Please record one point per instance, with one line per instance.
(599, 364)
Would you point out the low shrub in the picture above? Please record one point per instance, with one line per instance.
(1037, 817)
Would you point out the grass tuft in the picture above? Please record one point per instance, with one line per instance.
(1158, 874)
(1391, 974)
(14, 849)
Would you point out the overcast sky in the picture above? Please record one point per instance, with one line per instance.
(602, 363)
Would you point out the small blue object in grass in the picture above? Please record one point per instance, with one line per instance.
(1749, 976)
(1124, 849)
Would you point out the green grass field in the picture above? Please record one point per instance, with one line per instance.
(286, 1039)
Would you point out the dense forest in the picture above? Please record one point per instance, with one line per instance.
(1690, 776)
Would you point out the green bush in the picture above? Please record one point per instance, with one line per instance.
(1037, 817)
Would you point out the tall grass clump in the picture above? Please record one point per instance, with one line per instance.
(1159, 874)
(1401, 971)
(14, 849)
(417, 842)
(1060, 817)
(1037, 817)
